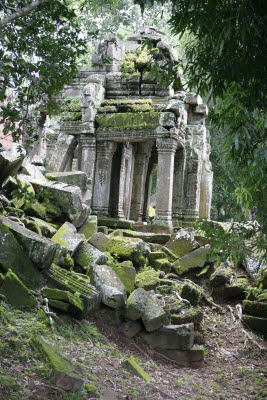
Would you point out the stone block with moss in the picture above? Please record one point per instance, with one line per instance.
(182, 243)
(129, 120)
(172, 337)
(99, 240)
(136, 304)
(89, 227)
(76, 178)
(256, 308)
(133, 249)
(75, 283)
(172, 257)
(148, 237)
(192, 261)
(16, 293)
(68, 237)
(162, 264)
(148, 279)
(86, 255)
(63, 373)
(192, 293)
(127, 275)
(220, 276)
(256, 323)
(114, 223)
(154, 316)
(73, 302)
(187, 315)
(39, 249)
(237, 287)
(131, 365)
(12, 256)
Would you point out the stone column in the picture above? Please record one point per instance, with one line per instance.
(139, 180)
(125, 181)
(151, 165)
(205, 190)
(101, 188)
(87, 155)
(166, 152)
(178, 186)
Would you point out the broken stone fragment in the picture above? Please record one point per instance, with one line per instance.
(89, 227)
(154, 316)
(133, 249)
(16, 293)
(131, 328)
(86, 255)
(193, 358)
(194, 260)
(256, 308)
(192, 293)
(10, 162)
(148, 279)
(39, 249)
(27, 168)
(76, 178)
(64, 147)
(72, 302)
(220, 276)
(187, 315)
(68, 237)
(12, 256)
(256, 323)
(182, 243)
(47, 229)
(111, 289)
(127, 275)
(173, 337)
(99, 240)
(63, 373)
(75, 283)
(80, 217)
(131, 365)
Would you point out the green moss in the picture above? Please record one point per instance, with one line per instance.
(129, 120)
(33, 226)
(220, 276)
(89, 227)
(16, 293)
(85, 261)
(8, 382)
(125, 102)
(57, 238)
(148, 280)
(71, 116)
(64, 296)
(194, 315)
(127, 275)
(127, 249)
(68, 262)
(35, 208)
(91, 389)
(192, 293)
(162, 264)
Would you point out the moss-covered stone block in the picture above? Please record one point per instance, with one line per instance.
(86, 255)
(169, 254)
(131, 365)
(12, 256)
(91, 390)
(75, 283)
(162, 264)
(194, 260)
(192, 293)
(127, 275)
(16, 293)
(68, 237)
(73, 301)
(256, 323)
(114, 223)
(182, 243)
(220, 276)
(136, 304)
(133, 249)
(256, 308)
(129, 120)
(186, 316)
(63, 373)
(89, 227)
(148, 279)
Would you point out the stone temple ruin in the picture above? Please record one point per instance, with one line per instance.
(118, 124)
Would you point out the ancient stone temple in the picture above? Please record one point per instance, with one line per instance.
(118, 124)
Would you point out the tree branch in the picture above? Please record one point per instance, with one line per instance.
(19, 13)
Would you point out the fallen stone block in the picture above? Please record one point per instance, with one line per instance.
(154, 316)
(27, 168)
(256, 323)
(187, 315)
(76, 178)
(169, 254)
(131, 365)
(80, 217)
(192, 293)
(99, 240)
(148, 237)
(47, 229)
(132, 249)
(89, 227)
(115, 223)
(173, 337)
(131, 328)
(39, 249)
(63, 373)
(86, 255)
(256, 308)
(194, 260)
(111, 289)
(10, 162)
(136, 304)
(12, 256)
(75, 283)
(193, 358)
(16, 293)
(68, 237)
(64, 300)
(182, 243)
(64, 147)
(162, 264)
(148, 279)
(127, 275)
(220, 276)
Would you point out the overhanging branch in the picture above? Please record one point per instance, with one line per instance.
(19, 13)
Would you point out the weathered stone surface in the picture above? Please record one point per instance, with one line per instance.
(89, 227)
(220, 276)
(182, 243)
(79, 218)
(39, 249)
(72, 302)
(115, 223)
(27, 168)
(169, 254)
(167, 119)
(68, 237)
(86, 255)
(173, 337)
(162, 264)
(136, 304)
(148, 279)
(256, 323)
(131, 328)
(148, 237)
(111, 289)
(195, 259)
(10, 162)
(187, 315)
(256, 308)
(47, 229)
(132, 249)
(73, 282)
(193, 358)
(16, 293)
(12, 256)
(154, 316)
(63, 373)
(99, 240)
(62, 151)
(76, 178)
(127, 275)
(192, 293)
(131, 365)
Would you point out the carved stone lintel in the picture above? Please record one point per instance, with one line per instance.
(166, 145)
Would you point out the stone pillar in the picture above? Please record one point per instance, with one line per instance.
(151, 166)
(125, 181)
(101, 188)
(166, 152)
(139, 180)
(87, 155)
(178, 186)
(205, 190)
